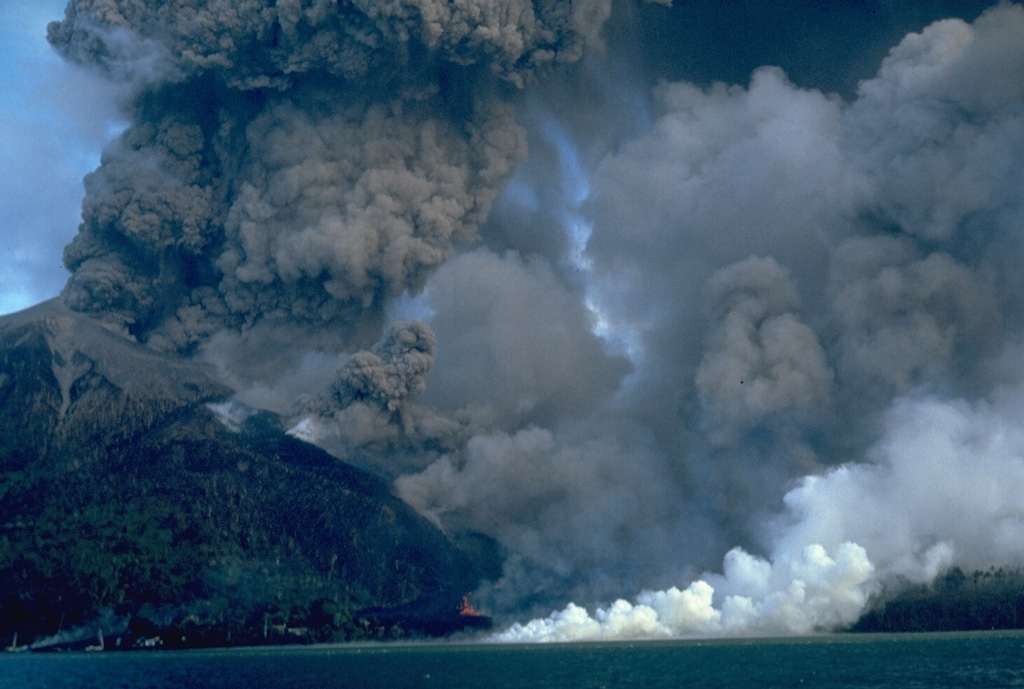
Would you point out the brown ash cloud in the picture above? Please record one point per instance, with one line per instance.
(296, 160)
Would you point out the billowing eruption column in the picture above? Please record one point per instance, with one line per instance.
(301, 160)
(824, 287)
(809, 304)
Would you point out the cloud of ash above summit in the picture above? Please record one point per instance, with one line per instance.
(300, 161)
(628, 288)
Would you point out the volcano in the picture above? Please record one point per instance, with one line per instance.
(130, 498)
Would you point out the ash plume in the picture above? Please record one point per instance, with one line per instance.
(370, 405)
(855, 256)
(761, 361)
(514, 343)
(747, 343)
(302, 161)
(392, 371)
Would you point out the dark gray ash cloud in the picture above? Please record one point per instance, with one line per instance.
(296, 160)
(638, 291)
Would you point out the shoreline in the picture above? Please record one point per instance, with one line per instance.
(838, 637)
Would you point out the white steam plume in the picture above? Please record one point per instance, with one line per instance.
(941, 488)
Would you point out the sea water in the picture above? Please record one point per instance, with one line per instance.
(932, 661)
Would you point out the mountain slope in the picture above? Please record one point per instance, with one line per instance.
(123, 497)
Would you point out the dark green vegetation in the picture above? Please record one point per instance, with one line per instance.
(125, 503)
(990, 599)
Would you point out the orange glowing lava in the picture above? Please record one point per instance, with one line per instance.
(467, 608)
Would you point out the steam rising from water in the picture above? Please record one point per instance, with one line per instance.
(809, 305)
(941, 487)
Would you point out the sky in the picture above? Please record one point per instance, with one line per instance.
(708, 316)
(55, 121)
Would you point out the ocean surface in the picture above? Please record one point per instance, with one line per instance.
(931, 661)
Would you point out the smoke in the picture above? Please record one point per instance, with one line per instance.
(761, 361)
(807, 592)
(751, 349)
(867, 330)
(514, 343)
(392, 371)
(565, 504)
(906, 317)
(939, 488)
(300, 161)
(368, 406)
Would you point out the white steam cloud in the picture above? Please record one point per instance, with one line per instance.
(940, 488)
